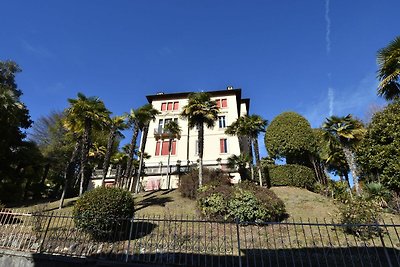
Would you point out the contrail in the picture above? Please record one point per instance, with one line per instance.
(331, 99)
(328, 27)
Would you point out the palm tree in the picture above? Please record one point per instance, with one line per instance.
(171, 131)
(389, 70)
(240, 163)
(145, 115)
(199, 111)
(117, 124)
(137, 119)
(348, 132)
(250, 126)
(83, 114)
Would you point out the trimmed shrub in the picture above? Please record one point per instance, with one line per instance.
(100, 211)
(244, 202)
(360, 211)
(292, 175)
(189, 183)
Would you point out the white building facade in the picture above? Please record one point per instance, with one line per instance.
(217, 145)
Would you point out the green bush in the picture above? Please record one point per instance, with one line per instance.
(339, 191)
(189, 183)
(379, 193)
(100, 211)
(360, 211)
(292, 175)
(244, 202)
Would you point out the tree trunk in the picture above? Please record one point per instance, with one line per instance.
(142, 147)
(107, 157)
(45, 174)
(250, 144)
(169, 165)
(201, 148)
(84, 155)
(353, 168)
(68, 171)
(257, 154)
(128, 176)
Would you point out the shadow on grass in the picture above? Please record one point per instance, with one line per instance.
(153, 201)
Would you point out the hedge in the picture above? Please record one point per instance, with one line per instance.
(291, 175)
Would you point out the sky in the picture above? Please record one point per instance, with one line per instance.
(314, 57)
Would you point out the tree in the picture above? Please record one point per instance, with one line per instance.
(83, 114)
(145, 114)
(171, 131)
(199, 111)
(250, 126)
(116, 125)
(240, 163)
(137, 119)
(14, 119)
(348, 132)
(379, 152)
(291, 137)
(56, 145)
(389, 70)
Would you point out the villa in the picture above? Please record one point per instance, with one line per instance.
(184, 152)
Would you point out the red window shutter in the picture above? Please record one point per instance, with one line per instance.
(173, 148)
(164, 149)
(224, 103)
(221, 146)
(176, 105)
(218, 103)
(157, 148)
(163, 106)
(169, 106)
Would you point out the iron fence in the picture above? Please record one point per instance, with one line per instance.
(190, 241)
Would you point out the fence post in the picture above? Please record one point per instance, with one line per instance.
(129, 240)
(45, 232)
(384, 246)
(238, 241)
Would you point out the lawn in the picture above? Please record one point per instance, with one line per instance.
(300, 204)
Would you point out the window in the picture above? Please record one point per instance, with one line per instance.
(173, 148)
(158, 148)
(162, 148)
(222, 103)
(169, 106)
(196, 147)
(163, 122)
(223, 148)
(221, 122)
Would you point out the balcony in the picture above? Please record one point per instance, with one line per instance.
(161, 133)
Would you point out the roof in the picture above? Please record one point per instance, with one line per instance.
(162, 96)
(237, 92)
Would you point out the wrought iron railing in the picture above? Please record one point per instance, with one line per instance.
(189, 241)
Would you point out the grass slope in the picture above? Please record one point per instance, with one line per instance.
(301, 203)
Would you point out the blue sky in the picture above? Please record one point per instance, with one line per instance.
(313, 57)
